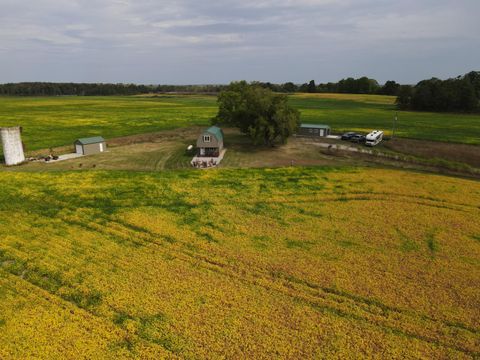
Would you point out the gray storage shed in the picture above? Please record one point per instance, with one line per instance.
(89, 146)
(314, 130)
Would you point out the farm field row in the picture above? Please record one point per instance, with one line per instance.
(291, 263)
(51, 122)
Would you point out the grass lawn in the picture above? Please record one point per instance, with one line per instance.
(55, 121)
(166, 150)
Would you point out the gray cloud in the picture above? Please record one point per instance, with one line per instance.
(186, 41)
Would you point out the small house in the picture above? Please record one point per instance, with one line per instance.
(210, 142)
(89, 146)
(314, 130)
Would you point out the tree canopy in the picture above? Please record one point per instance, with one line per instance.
(258, 112)
(458, 94)
(390, 88)
(82, 89)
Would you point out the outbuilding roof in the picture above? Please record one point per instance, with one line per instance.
(91, 140)
(216, 131)
(315, 126)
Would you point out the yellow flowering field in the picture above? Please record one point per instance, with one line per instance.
(245, 263)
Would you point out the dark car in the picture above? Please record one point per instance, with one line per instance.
(348, 135)
(358, 138)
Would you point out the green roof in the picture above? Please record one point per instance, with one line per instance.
(91, 140)
(315, 126)
(216, 131)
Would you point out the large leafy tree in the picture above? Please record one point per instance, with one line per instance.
(404, 99)
(258, 112)
(474, 78)
(458, 94)
(390, 88)
(289, 87)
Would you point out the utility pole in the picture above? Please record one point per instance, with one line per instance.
(395, 119)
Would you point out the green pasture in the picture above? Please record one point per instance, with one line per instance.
(56, 121)
(364, 113)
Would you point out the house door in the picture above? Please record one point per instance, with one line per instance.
(202, 151)
(101, 147)
(79, 149)
(322, 132)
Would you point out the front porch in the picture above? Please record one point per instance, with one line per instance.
(208, 152)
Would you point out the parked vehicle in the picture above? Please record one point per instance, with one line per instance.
(374, 138)
(353, 137)
(358, 138)
(348, 135)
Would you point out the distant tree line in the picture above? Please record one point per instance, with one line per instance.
(363, 85)
(458, 94)
(88, 89)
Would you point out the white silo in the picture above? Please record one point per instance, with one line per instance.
(12, 145)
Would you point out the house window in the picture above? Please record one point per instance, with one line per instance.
(206, 138)
(310, 131)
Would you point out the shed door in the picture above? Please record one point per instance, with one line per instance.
(79, 149)
(101, 147)
(322, 132)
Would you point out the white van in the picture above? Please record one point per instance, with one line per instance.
(374, 138)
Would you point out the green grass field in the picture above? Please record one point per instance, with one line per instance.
(51, 122)
(364, 113)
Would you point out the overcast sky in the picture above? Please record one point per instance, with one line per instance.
(207, 41)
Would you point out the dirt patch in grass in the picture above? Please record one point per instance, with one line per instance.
(468, 154)
(181, 135)
(297, 152)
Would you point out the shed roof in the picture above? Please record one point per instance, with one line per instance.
(216, 131)
(315, 126)
(91, 140)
